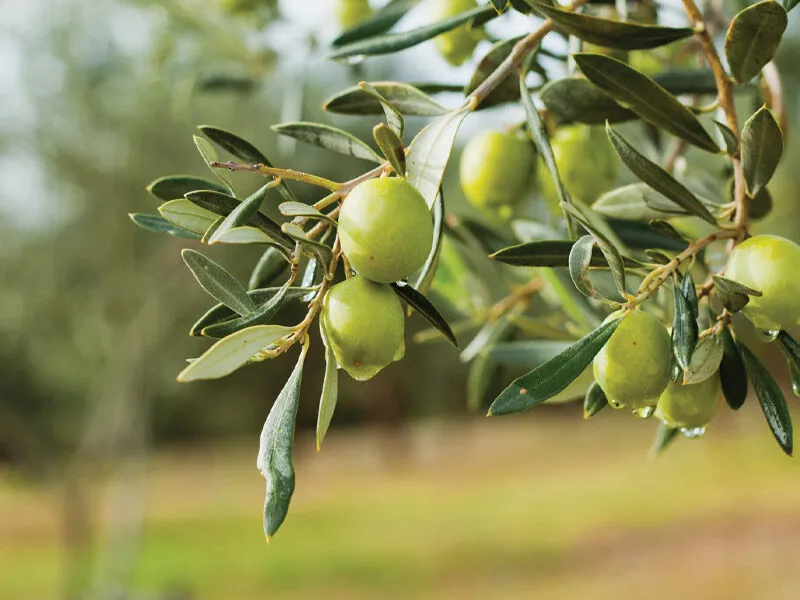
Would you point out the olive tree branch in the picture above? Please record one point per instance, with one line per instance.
(276, 172)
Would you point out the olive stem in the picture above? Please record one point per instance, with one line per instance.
(276, 172)
(521, 295)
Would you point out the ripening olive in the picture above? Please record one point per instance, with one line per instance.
(350, 13)
(633, 367)
(689, 406)
(364, 323)
(385, 229)
(456, 45)
(768, 263)
(586, 163)
(496, 169)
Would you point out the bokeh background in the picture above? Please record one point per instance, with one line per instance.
(117, 482)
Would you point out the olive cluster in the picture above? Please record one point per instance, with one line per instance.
(385, 232)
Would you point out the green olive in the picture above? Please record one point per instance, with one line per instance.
(689, 406)
(633, 367)
(364, 323)
(496, 169)
(350, 13)
(768, 263)
(385, 229)
(456, 45)
(586, 163)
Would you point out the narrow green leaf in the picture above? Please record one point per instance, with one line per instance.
(187, 215)
(548, 379)
(428, 271)
(394, 42)
(238, 217)
(689, 292)
(232, 352)
(220, 284)
(298, 209)
(429, 153)
(330, 388)
(732, 372)
(595, 401)
(684, 330)
(730, 139)
(408, 99)
(243, 150)
(271, 264)
(762, 146)
(391, 146)
(640, 94)
(642, 236)
(657, 178)
(753, 37)
(665, 435)
(329, 138)
(609, 33)
(210, 155)
(158, 224)
(219, 312)
(527, 353)
(508, 89)
(546, 253)
(383, 20)
(259, 316)
(791, 349)
(771, 399)
(394, 119)
(241, 235)
(223, 205)
(733, 295)
(609, 250)
(175, 186)
(633, 202)
(275, 450)
(484, 369)
(580, 256)
(422, 305)
(578, 100)
(318, 249)
(705, 362)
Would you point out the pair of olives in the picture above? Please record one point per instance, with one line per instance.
(497, 169)
(633, 370)
(385, 232)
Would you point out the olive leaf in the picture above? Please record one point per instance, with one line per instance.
(657, 178)
(187, 215)
(771, 399)
(394, 119)
(732, 373)
(484, 369)
(762, 146)
(329, 138)
(636, 202)
(218, 282)
(175, 186)
(706, 360)
(689, 292)
(753, 37)
(232, 352)
(274, 460)
(406, 98)
(580, 256)
(383, 20)
(730, 138)
(665, 435)
(271, 264)
(643, 96)
(240, 216)
(791, 349)
(243, 150)
(428, 271)
(546, 380)
(548, 253)
(424, 306)
(394, 42)
(508, 89)
(391, 146)
(261, 315)
(595, 400)
(577, 100)
(608, 32)
(158, 224)
(733, 295)
(429, 153)
(684, 329)
(330, 388)
(527, 353)
(210, 155)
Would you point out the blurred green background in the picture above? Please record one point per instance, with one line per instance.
(116, 482)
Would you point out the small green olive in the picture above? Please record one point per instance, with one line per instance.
(633, 367)
(456, 45)
(364, 323)
(496, 169)
(689, 406)
(385, 229)
(586, 163)
(768, 263)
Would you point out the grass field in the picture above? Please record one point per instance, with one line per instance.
(544, 506)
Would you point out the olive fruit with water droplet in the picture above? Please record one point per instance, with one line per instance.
(385, 229)
(364, 322)
(768, 263)
(690, 406)
(633, 368)
(496, 169)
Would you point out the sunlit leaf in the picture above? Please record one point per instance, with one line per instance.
(391, 146)
(406, 98)
(218, 282)
(330, 388)
(158, 224)
(733, 295)
(259, 316)
(580, 256)
(175, 186)
(578, 100)
(505, 91)
(329, 138)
